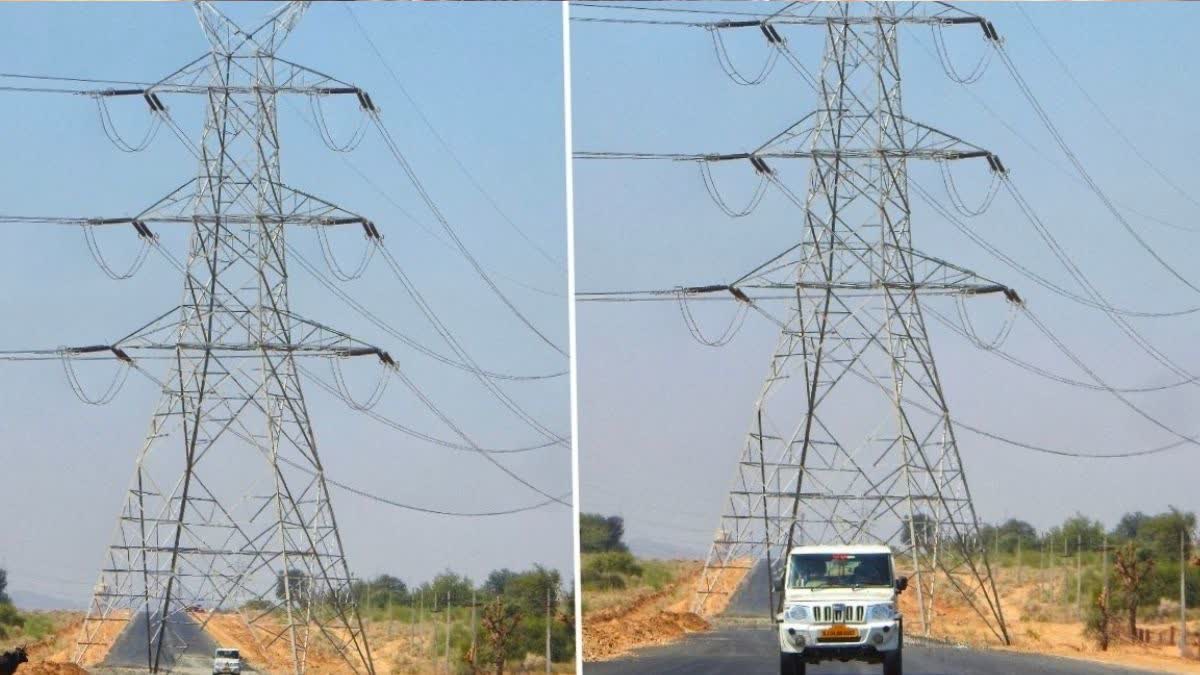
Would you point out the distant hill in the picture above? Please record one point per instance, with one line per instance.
(648, 548)
(32, 600)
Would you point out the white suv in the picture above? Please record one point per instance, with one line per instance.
(226, 660)
(840, 604)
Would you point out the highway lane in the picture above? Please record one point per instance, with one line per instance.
(753, 650)
(183, 642)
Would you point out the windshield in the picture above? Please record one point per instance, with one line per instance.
(227, 653)
(820, 570)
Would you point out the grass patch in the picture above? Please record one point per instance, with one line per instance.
(613, 579)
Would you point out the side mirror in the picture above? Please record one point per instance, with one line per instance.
(901, 584)
(777, 585)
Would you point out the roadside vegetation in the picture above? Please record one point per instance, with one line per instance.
(17, 626)
(1124, 583)
(496, 626)
(611, 575)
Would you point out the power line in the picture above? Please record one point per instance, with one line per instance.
(424, 509)
(1079, 168)
(415, 181)
(446, 146)
(1116, 128)
(1041, 154)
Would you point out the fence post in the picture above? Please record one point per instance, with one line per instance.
(1183, 561)
(1079, 576)
(549, 619)
(1018, 559)
(472, 623)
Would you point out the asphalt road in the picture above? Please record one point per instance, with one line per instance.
(183, 641)
(754, 650)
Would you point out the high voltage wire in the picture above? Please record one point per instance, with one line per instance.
(1042, 449)
(1027, 92)
(1028, 273)
(1116, 128)
(386, 196)
(445, 145)
(415, 181)
(1041, 154)
(382, 419)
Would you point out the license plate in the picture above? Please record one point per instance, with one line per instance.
(840, 631)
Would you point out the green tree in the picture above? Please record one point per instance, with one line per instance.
(1076, 531)
(1130, 525)
(497, 582)
(378, 591)
(500, 622)
(4, 599)
(528, 590)
(458, 586)
(1132, 566)
(297, 582)
(598, 533)
(923, 527)
(1014, 530)
(1161, 533)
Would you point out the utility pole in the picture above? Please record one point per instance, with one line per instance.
(447, 631)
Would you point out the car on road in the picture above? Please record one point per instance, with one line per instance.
(839, 603)
(226, 660)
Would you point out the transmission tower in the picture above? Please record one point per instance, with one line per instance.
(851, 438)
(228, 508)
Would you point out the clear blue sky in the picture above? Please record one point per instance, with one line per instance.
(663, 418)
(490, 78)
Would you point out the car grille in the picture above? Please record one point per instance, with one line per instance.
(838, 613)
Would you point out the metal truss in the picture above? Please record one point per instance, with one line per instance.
(851, 439)
(228, 509)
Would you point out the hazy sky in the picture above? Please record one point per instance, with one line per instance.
(663, 418)
(490, 78)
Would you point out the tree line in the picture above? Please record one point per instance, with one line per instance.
(511, 610)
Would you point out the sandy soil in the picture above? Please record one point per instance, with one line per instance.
(651, 618)
(54, 654)
(1038, 624)
(51, 668)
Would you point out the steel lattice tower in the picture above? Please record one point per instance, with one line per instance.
(228, 508)
(851, 439)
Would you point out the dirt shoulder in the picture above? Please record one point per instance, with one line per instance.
(1039, 622)
(641, 616)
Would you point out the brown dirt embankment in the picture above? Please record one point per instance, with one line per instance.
(654, 617)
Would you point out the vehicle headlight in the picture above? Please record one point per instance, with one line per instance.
(885, 612)
(797, 613)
